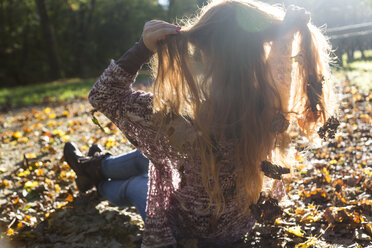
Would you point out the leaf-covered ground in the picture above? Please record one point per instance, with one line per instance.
(329, 200)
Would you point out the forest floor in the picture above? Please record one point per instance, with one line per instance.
(329, 202)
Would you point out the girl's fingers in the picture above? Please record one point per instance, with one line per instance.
(155, 31)
(157, 22)
(156, 26)
(162, 33)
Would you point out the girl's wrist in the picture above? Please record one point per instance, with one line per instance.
(132, 60)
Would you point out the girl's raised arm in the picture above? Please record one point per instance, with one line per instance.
(113, 95)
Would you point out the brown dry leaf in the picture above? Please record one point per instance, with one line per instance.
(69, 198)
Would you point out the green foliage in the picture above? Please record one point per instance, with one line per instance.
(180, 8)
(88, 33)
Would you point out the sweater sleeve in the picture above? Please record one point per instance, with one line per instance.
(132, 112)
(113, 95)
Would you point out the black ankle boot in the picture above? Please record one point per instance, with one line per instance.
(87, 169)
(95, 150)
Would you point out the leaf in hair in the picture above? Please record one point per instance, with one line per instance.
(329, 129)
(273, 171)
(180, 132)
(266, 210)
(279, 123)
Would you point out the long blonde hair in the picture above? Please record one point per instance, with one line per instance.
(215, 73)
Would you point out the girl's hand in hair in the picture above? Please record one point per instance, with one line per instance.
(155, 31)
(295, 18)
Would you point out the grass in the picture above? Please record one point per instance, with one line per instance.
(43, 93)
(56, 91)
(358, 72)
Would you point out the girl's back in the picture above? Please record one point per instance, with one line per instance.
(221, 86)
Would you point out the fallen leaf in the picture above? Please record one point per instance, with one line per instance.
(296, 230)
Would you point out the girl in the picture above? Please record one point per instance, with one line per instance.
(226, 88)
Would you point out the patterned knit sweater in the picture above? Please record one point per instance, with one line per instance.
(177, 204)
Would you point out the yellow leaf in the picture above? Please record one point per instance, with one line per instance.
(65, 113)
(300, 166)
(299, 157)
(279, 221)
(62, 205)
(23, 173)
(65, 138)
(10, 232)
(84, 148)
(57, 188)
(51, 123)
(36, 125)
(58, 132)
(22, 140)
(27, 218)
(39, 172)
(31, 184)
(296, 230)
(333, 161)
(111, 142)
(300, 211)
(19, 225)
(311, 206)
(52, 116)
(69, 198)
(368, 228)
(328, 178)
(65, 165)
(38, 164)
(368, 172)
(63, 175)
(27, 130)
(310, 242)
(6, 183)
(30, 155)
(17, 135)
(48, 181)
(47, 110)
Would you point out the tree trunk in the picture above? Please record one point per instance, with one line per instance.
(82, 34)
(170, 9)
(2, 23)
(50, 43)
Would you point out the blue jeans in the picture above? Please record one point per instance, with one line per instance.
(127, 176)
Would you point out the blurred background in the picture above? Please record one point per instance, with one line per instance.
(46, 40)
